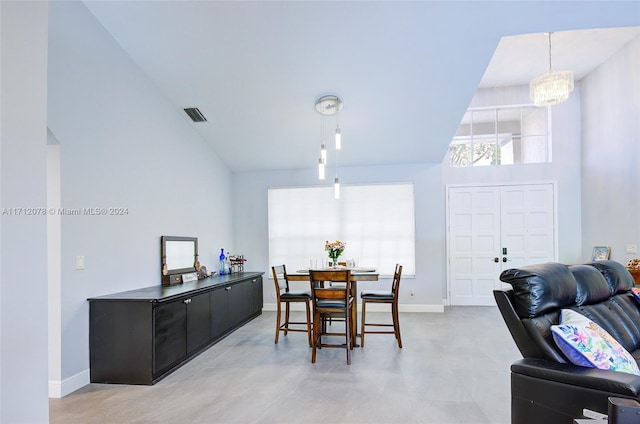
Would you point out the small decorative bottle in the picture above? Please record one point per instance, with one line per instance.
(221, 263)
(227, 264)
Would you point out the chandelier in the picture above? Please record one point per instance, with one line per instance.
(552, 87)
(329, 105)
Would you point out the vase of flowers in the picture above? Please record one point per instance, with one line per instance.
(334, 250)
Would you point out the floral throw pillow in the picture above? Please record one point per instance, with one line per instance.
(587, 344)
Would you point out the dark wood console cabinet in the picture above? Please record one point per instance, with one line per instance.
(140, 336)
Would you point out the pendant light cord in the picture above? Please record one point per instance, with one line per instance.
(549, 51)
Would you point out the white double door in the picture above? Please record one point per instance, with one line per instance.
(493, 228)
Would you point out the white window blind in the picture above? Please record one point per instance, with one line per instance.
(377, 223)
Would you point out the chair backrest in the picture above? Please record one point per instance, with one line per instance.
(320, 291)
(280, 278)
(395, 286)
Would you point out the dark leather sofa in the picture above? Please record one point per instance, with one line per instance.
(545, 386)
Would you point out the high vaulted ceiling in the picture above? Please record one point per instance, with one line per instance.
(406, 71)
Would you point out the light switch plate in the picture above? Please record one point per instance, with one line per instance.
(79, 262)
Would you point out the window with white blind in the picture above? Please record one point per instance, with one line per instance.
(377, 223)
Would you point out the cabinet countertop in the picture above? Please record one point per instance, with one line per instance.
(162, 293)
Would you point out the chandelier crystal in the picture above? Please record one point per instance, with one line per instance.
(552, 87)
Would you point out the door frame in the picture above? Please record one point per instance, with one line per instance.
(554, 186)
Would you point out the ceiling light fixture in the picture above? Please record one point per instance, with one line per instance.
(552, 87)
(329, 105)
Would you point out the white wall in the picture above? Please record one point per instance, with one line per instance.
(611, 155)
(54, 274)
(23, 288)
(251, 225)
(122, 145)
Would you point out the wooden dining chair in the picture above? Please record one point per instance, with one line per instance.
(381, 296)
(338, 284)
(331, 301)
(285, 296)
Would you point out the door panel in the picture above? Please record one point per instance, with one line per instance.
(170, 338)
(483, 222)
(474, 219)
(527, 216)
(198, 322)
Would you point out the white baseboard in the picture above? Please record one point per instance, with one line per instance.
(406, 307)
(59, 389)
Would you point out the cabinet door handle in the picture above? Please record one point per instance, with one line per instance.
(228, 288)
(187, 301)
(254, 280)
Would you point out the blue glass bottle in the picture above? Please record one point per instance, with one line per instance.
(221, 263)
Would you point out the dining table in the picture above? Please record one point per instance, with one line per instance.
(357, 274)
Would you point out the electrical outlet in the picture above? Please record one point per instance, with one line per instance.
(273, 295)
(632, 248)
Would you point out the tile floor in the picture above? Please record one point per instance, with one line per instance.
(453, 368)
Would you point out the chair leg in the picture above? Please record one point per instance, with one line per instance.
(354, 324)
(286, 318)
(316, 329)
(308, 323)
(278, 322)
(396, 323)
(347, 331)
(364, 306)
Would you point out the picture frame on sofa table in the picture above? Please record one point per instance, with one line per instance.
(600, 253)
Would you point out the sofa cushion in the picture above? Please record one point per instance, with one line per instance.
(619, 316)
(617, 276)
(591, 286)
(585, 343)
(540, 288)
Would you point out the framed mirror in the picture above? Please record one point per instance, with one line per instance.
(178, 255)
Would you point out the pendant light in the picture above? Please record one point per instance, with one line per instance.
(552, 87)
(328, 105)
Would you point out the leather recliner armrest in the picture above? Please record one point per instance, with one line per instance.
(627, 385)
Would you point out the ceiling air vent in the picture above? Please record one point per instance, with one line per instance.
(195, 114)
